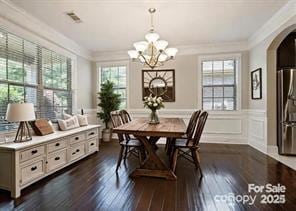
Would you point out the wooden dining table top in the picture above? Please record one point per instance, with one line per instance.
(168, 127)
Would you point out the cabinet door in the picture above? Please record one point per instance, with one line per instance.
(32, 171)
(92, 145)
(56, 160)
(77, 151)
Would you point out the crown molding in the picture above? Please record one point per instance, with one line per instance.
(18, 20)
(282, 16)
(209, 48)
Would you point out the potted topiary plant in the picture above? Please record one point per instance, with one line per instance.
(109, 101)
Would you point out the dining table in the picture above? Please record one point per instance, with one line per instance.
(148, 134)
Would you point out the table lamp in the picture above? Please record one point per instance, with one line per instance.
(22, 113)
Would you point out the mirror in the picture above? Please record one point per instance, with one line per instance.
(158, 86)
(159, 83)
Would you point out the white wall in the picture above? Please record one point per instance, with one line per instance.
(187, 79)
(84, 83)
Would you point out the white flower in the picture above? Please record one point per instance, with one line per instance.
(149, 103)
(158, 100)
(154, 99)
(149, 99)
(155, 104)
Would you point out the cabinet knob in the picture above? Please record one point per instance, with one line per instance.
(76, 138)
(57, 158)
(73, 153)
(92, 144)
(57, 144)
(33, 168)
(77, 150)
(34, 151)
(92, 133)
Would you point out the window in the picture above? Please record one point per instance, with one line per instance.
(117, 75)
(32, 73)
(219, 84)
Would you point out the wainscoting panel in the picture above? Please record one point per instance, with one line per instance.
(222, 127)
(257, 129)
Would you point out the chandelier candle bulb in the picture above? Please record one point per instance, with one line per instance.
(153, 53)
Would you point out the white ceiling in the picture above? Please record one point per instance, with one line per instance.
(113, 25)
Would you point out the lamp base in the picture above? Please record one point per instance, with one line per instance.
(23, 133)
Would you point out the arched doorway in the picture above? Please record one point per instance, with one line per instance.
(271, 84)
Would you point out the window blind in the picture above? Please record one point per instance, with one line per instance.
(32, 73)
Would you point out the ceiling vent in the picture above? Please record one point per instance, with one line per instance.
(74, 17)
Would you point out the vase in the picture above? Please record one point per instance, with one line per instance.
(153, 117)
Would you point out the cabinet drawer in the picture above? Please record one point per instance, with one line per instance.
(92, 145)
(60, 144)
(91, 133)
(76, 151)
(32, 171)
(31, 153)
(56, 159)
(77, 138)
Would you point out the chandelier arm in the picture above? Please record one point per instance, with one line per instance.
(145, 61)
(157, 58)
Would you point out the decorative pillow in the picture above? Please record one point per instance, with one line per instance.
(68, 124)
(82, 119)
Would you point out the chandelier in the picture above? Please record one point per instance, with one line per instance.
(153, 52)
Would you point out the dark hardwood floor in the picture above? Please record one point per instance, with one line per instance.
(92, 184)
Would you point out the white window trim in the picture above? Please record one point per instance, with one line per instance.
(100, 65)
(237, 57)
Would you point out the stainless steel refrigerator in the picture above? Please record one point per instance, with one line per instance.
(286, 115)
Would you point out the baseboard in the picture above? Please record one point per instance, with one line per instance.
(260, 147)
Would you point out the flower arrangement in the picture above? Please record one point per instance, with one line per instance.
(153, 103)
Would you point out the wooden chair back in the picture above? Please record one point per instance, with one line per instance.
(116, 122)
(192, 124)
(201, 122)
(125, 116)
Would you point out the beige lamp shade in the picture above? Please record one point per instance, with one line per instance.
(19, 112)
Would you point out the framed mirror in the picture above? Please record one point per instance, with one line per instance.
(159, 83)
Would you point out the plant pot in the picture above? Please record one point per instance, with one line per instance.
(106, 135)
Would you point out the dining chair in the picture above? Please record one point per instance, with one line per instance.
(125, 116)
(128, 145)
(188, 134)
(190, 148)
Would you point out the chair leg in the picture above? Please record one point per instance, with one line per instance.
(196, 159)
(119, 158)
(174, 159)
(125, 153)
